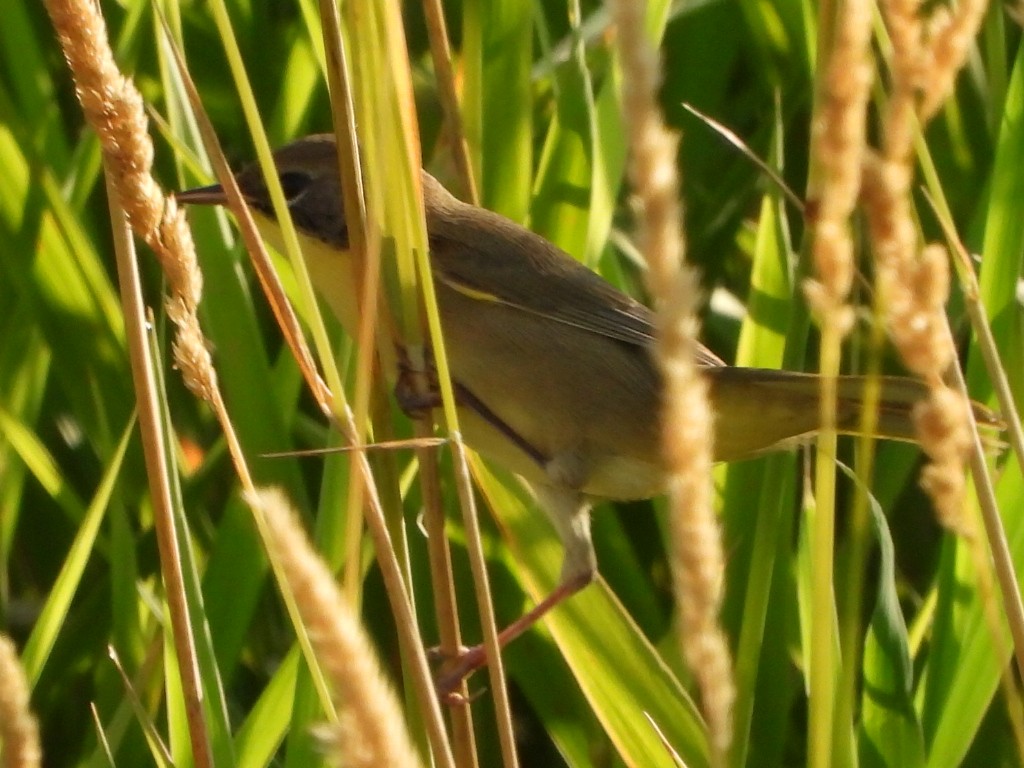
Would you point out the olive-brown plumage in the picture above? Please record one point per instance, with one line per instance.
(552, 365)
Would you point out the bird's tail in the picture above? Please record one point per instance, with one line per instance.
(897, 399)
(780, 407)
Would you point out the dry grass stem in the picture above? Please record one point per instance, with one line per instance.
(697, 560)
(913, 282)
(19, 732)
(341, 414)
(995, 532)
(837, 150)
(838, 146)
(441, 55)
(370, 730)
(114, 108)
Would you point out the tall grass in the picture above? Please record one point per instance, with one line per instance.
(924, 645)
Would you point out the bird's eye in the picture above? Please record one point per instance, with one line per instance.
(294, 183)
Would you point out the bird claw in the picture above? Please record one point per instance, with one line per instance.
(416, 391)
(456, 699)
(456, 667)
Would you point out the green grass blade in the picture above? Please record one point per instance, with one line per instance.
(602, 646)
(756, 605)
(261, 734)
(58, 602)
(498, 103)
(890, 731)
(962, 670)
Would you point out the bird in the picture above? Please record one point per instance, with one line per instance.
(553, 368)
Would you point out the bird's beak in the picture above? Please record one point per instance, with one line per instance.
(211, 195)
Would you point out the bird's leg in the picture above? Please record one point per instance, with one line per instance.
(570, 514)
(474, 658)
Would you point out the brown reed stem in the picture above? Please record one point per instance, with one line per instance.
(697, 560)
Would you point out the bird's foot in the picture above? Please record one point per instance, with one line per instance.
(455, 669)
(416, 391)
(466, 661)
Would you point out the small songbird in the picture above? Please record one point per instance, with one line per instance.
(552, 366)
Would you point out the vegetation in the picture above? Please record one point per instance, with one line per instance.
(927, 679)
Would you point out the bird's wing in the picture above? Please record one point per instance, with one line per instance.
(520, 269)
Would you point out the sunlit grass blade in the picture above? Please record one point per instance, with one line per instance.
(58, 602)
(603, 647)
(157, 748)
(962, 671)
(73, 299)
(756, 604)
(890, 732)
(571, 172)
(497, 41)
